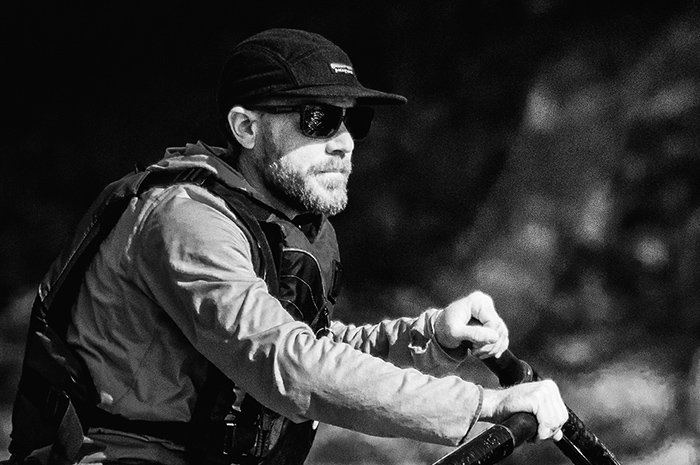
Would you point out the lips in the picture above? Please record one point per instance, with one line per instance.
(344, 172)
(331, 170)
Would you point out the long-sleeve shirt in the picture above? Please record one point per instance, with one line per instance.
(173, 287)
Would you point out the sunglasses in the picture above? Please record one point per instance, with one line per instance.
(321, 121)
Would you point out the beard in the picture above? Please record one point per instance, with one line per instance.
(317, 188)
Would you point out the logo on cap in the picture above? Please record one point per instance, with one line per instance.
(342, 68)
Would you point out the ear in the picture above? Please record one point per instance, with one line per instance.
(241, 122)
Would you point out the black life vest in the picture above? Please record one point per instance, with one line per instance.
(57, 402)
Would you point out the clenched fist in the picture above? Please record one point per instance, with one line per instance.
(472, 319)
(541, 398)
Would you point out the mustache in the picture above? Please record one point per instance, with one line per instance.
(337, 166)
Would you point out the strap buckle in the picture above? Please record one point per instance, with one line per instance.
(193, 175)
(228, 437)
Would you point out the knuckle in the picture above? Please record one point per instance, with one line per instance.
(481, 297)
(550, 385)
(549, 426)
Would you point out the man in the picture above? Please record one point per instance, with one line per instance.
(203, 319)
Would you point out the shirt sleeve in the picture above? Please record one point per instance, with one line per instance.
(195, 262)
(405, 342)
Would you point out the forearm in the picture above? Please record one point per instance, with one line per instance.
(307, 378)
(283, 365)
(405, 342)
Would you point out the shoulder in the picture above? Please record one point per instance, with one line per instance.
(186, 212)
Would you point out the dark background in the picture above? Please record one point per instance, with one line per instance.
(548, 155)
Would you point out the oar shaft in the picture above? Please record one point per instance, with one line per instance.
(494, 444)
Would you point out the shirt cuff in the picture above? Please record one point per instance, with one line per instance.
(477, 414)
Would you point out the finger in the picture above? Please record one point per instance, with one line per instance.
(501, 346)
(484, 355)
(480, 335)
(502, 342)
(487, 351)
(546, 431)
(495, 349)
(557, 405)
(498, 325)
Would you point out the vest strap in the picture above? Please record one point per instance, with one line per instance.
(174, 431)
(268, 267)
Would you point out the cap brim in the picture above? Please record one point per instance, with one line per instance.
(363, 95)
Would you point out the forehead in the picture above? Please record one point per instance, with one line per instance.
(345, 102)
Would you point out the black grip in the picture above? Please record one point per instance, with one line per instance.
(494, 444)
(585, 442)
(579, 444)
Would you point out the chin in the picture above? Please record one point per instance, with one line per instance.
(329, 203)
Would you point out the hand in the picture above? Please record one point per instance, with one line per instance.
(472, 319)
(541, 398)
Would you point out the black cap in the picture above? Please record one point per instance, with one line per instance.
(292, 63)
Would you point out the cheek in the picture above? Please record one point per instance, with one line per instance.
(288, 137)
(303, 158)
(296, 151)
(295, 162)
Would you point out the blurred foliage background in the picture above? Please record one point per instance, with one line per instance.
(549, 155)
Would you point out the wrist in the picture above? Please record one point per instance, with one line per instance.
(491, 405)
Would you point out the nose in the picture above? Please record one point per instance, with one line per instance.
(341, 143)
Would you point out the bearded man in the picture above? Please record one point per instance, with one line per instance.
(204, 319)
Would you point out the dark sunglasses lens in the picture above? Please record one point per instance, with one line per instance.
(358, 120)
(321, 120)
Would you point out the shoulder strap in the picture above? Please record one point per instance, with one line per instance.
(241, 205)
